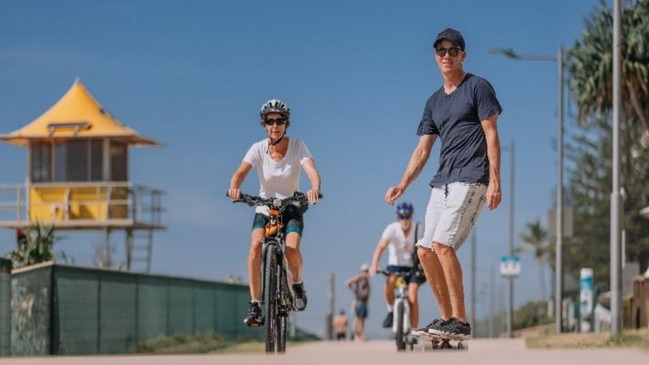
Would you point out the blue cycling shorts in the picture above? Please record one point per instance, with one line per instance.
(416, 276)
(292, 218)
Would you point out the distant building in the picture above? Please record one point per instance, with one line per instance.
(78, 177)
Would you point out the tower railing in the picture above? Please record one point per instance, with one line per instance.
(83, 205)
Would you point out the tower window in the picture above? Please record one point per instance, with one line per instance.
(78, 161)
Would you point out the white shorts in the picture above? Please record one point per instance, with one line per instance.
(452, 211)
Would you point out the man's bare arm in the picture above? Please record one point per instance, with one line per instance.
(490, 128)
(416, 164)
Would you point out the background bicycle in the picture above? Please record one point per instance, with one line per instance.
(401, 309)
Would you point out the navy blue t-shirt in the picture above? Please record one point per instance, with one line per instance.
(456, 119)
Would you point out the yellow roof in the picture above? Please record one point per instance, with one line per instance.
(76, 115)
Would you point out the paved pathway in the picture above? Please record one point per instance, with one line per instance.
(481, 352)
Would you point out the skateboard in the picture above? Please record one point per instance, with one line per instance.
(444, 342)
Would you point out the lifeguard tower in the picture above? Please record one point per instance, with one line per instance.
(77, 177)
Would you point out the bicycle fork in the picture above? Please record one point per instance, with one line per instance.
(401, 308)
(285, 296)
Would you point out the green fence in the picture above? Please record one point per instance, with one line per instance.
(72, 310)
(5, 307)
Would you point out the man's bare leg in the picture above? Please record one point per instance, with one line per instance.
(454, 280)
(436, 279)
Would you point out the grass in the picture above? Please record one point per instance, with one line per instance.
(627, 339)
(200, 344)
(197, 344)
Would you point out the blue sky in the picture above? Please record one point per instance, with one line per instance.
(356, 74)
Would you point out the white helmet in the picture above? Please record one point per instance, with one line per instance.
(275, 106)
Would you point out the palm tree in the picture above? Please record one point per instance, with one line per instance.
(590, 64)
(535, 238)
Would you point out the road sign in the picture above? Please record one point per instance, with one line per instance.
(510, 266)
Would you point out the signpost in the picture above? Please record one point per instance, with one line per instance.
(510, 268)
(585, 299)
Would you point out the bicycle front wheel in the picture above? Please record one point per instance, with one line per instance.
(400, 336)
(281, 332)
(270, 290)
(283, 310)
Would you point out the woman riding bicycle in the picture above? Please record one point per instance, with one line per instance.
(279, 161)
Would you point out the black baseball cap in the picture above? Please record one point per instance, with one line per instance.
(451, 35)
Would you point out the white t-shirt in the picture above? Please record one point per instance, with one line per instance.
(400, 247)
(278, 179)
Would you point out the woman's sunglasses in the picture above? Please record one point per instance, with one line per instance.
(278, 121)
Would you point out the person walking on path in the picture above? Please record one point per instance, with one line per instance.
(360, 286)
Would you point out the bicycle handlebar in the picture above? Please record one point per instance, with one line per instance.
(298, 199)
(403, 274)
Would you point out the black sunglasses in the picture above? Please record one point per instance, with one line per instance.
(278, 121)
(453, 51)
(405, 216)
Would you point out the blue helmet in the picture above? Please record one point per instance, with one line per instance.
(405, 210)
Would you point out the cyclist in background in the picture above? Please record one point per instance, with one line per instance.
(399, 238)
(279, 160)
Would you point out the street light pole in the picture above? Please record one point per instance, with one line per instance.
(473, 276)
(558, 297)
(510, 308)
(616, 255)
(558, 265)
